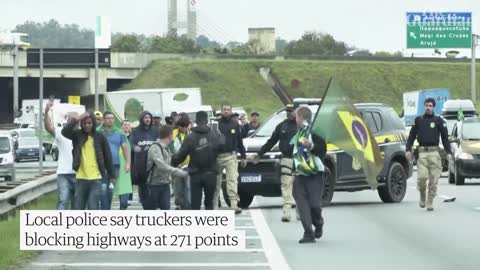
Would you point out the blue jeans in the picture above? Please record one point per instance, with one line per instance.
(65, 191)
(159, 197)
(106, 195)
(182, 192)
(87, 193)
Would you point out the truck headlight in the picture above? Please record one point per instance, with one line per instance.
(465, 156)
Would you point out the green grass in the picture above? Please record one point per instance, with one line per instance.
(238, 81)
(11, 257)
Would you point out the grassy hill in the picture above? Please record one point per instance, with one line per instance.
(238, 81)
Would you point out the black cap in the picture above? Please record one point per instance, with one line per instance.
(236, 115)
(254, 114)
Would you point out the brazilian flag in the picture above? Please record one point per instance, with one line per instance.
(304, 161)
(339, 123)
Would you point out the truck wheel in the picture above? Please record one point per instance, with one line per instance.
(459, 179)
(328, 187)
(396, 184)
(245, 199)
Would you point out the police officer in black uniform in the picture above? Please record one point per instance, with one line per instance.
(227, 158)
(284, 133)
(427, 129)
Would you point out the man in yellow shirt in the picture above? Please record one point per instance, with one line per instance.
(92, 160)
(181, 184)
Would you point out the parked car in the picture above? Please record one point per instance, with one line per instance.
(28, 149)
(465, 140)
(6, 157)
(341, 174)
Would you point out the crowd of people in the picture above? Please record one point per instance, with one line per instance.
(99, 160)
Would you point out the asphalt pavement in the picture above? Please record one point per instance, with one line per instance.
(360, 232)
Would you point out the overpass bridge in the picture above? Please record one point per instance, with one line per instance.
(68, 72)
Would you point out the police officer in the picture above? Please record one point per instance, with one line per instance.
(427, 129)
(284, 133)
(227, 158)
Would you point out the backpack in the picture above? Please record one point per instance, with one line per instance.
(205, 150)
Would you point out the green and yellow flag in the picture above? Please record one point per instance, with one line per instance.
(339, 123)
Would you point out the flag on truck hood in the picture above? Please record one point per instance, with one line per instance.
(339, 123)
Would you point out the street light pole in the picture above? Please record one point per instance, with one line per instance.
(96, 80)
(15, 81)
(473, 69)
(40, 115)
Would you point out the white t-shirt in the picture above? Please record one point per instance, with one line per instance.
(65, 159)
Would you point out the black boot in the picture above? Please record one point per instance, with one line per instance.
(307, 238)
(318, 232)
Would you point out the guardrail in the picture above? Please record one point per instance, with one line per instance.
(25, 192)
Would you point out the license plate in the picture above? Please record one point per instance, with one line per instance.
(252, 178)
(31, 154)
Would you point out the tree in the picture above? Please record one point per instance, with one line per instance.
(318, 44)
(205, 43)
(172, 45)
(52, 34)
(126, 43)
(281, 45)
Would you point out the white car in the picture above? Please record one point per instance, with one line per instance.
(6, 157)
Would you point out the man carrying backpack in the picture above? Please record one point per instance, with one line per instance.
(203, 146)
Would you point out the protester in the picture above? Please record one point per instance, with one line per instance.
(123, 186)
(181, 185)
(203, 146)
(227, 159)
(65, 173)
(98, 118)
(428, 129)
(253, 125)
(157, 119)
(118, 144)
(160, 171)
(142, 138)
(308, 152)
(283, 134)
(92, 160)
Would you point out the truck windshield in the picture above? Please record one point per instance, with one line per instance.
(471, 131)
(4, 145)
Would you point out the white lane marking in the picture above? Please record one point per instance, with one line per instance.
(272, 251)
(244, 227)
(142, 264)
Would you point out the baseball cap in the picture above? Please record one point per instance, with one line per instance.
(98, 113)
(254, 114)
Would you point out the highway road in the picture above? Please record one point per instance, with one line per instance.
(361, 232)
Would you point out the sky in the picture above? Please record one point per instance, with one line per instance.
(376, 25)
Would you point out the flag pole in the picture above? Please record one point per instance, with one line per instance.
(320, 105)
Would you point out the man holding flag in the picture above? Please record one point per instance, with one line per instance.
(308, 149)
(339, 123)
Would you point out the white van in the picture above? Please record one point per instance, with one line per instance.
(6, 157)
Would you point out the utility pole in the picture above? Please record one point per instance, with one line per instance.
(40, 115)
(473, 69)
(15, 81)
(96, 80)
